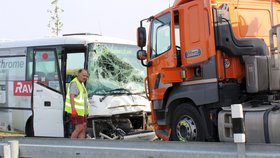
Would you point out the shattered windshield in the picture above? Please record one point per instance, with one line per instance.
(113, 68)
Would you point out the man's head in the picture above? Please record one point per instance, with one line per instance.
(82, 75)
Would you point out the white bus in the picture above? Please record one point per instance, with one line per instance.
(34, 76)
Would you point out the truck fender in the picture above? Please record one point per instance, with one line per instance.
(199, 94)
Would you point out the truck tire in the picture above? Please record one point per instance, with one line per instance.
(186, 124)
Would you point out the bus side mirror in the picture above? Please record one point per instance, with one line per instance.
(141, 37)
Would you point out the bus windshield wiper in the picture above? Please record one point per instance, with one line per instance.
(116, 91)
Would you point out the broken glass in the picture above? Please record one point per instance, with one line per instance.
(113, 68)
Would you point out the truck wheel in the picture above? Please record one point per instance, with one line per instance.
(186, 124)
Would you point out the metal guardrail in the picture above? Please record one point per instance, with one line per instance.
(57, 147)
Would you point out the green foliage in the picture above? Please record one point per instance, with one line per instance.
(55, 23)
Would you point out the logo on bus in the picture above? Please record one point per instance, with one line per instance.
(22, 88)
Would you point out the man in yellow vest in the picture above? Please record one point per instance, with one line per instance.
(77, 104)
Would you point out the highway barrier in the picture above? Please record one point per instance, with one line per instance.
(62, 147)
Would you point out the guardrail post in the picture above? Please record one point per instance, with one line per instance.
(7, 151)
(238, 129)
(14, 148)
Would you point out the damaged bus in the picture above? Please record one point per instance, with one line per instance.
(34, 76)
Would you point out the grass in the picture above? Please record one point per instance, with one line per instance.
(11, 134)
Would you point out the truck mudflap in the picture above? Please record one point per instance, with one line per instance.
(264, 117)
(164, 134)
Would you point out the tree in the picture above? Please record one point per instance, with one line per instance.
(55, 23)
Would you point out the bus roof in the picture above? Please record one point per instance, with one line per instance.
(65, 40)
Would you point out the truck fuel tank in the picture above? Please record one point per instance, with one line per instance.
(262, 124)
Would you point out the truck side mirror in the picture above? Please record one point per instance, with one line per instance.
(141, 55)
(141, 37)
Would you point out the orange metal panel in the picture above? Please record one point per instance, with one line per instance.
(157, 94)
(229, 67)
(192, 32)
(197, 31)
(171, 75)
(220, 66)
(252, 18)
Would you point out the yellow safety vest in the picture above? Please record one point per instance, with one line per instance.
(79, 99)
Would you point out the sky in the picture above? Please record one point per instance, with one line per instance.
(28, 19)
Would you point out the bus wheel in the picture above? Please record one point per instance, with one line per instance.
(186, 124)
(29, 128)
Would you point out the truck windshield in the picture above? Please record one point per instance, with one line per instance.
(114, 66)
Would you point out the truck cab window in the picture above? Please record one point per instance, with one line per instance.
(160, 36)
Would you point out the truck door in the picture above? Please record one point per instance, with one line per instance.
(161, 55)
(47, 94)
(196, 39)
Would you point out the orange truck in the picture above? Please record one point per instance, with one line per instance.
(204, 56)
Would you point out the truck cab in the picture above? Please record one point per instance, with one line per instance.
(203, 56)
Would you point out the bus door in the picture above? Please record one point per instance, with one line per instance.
(75, 61)
(47, 94)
